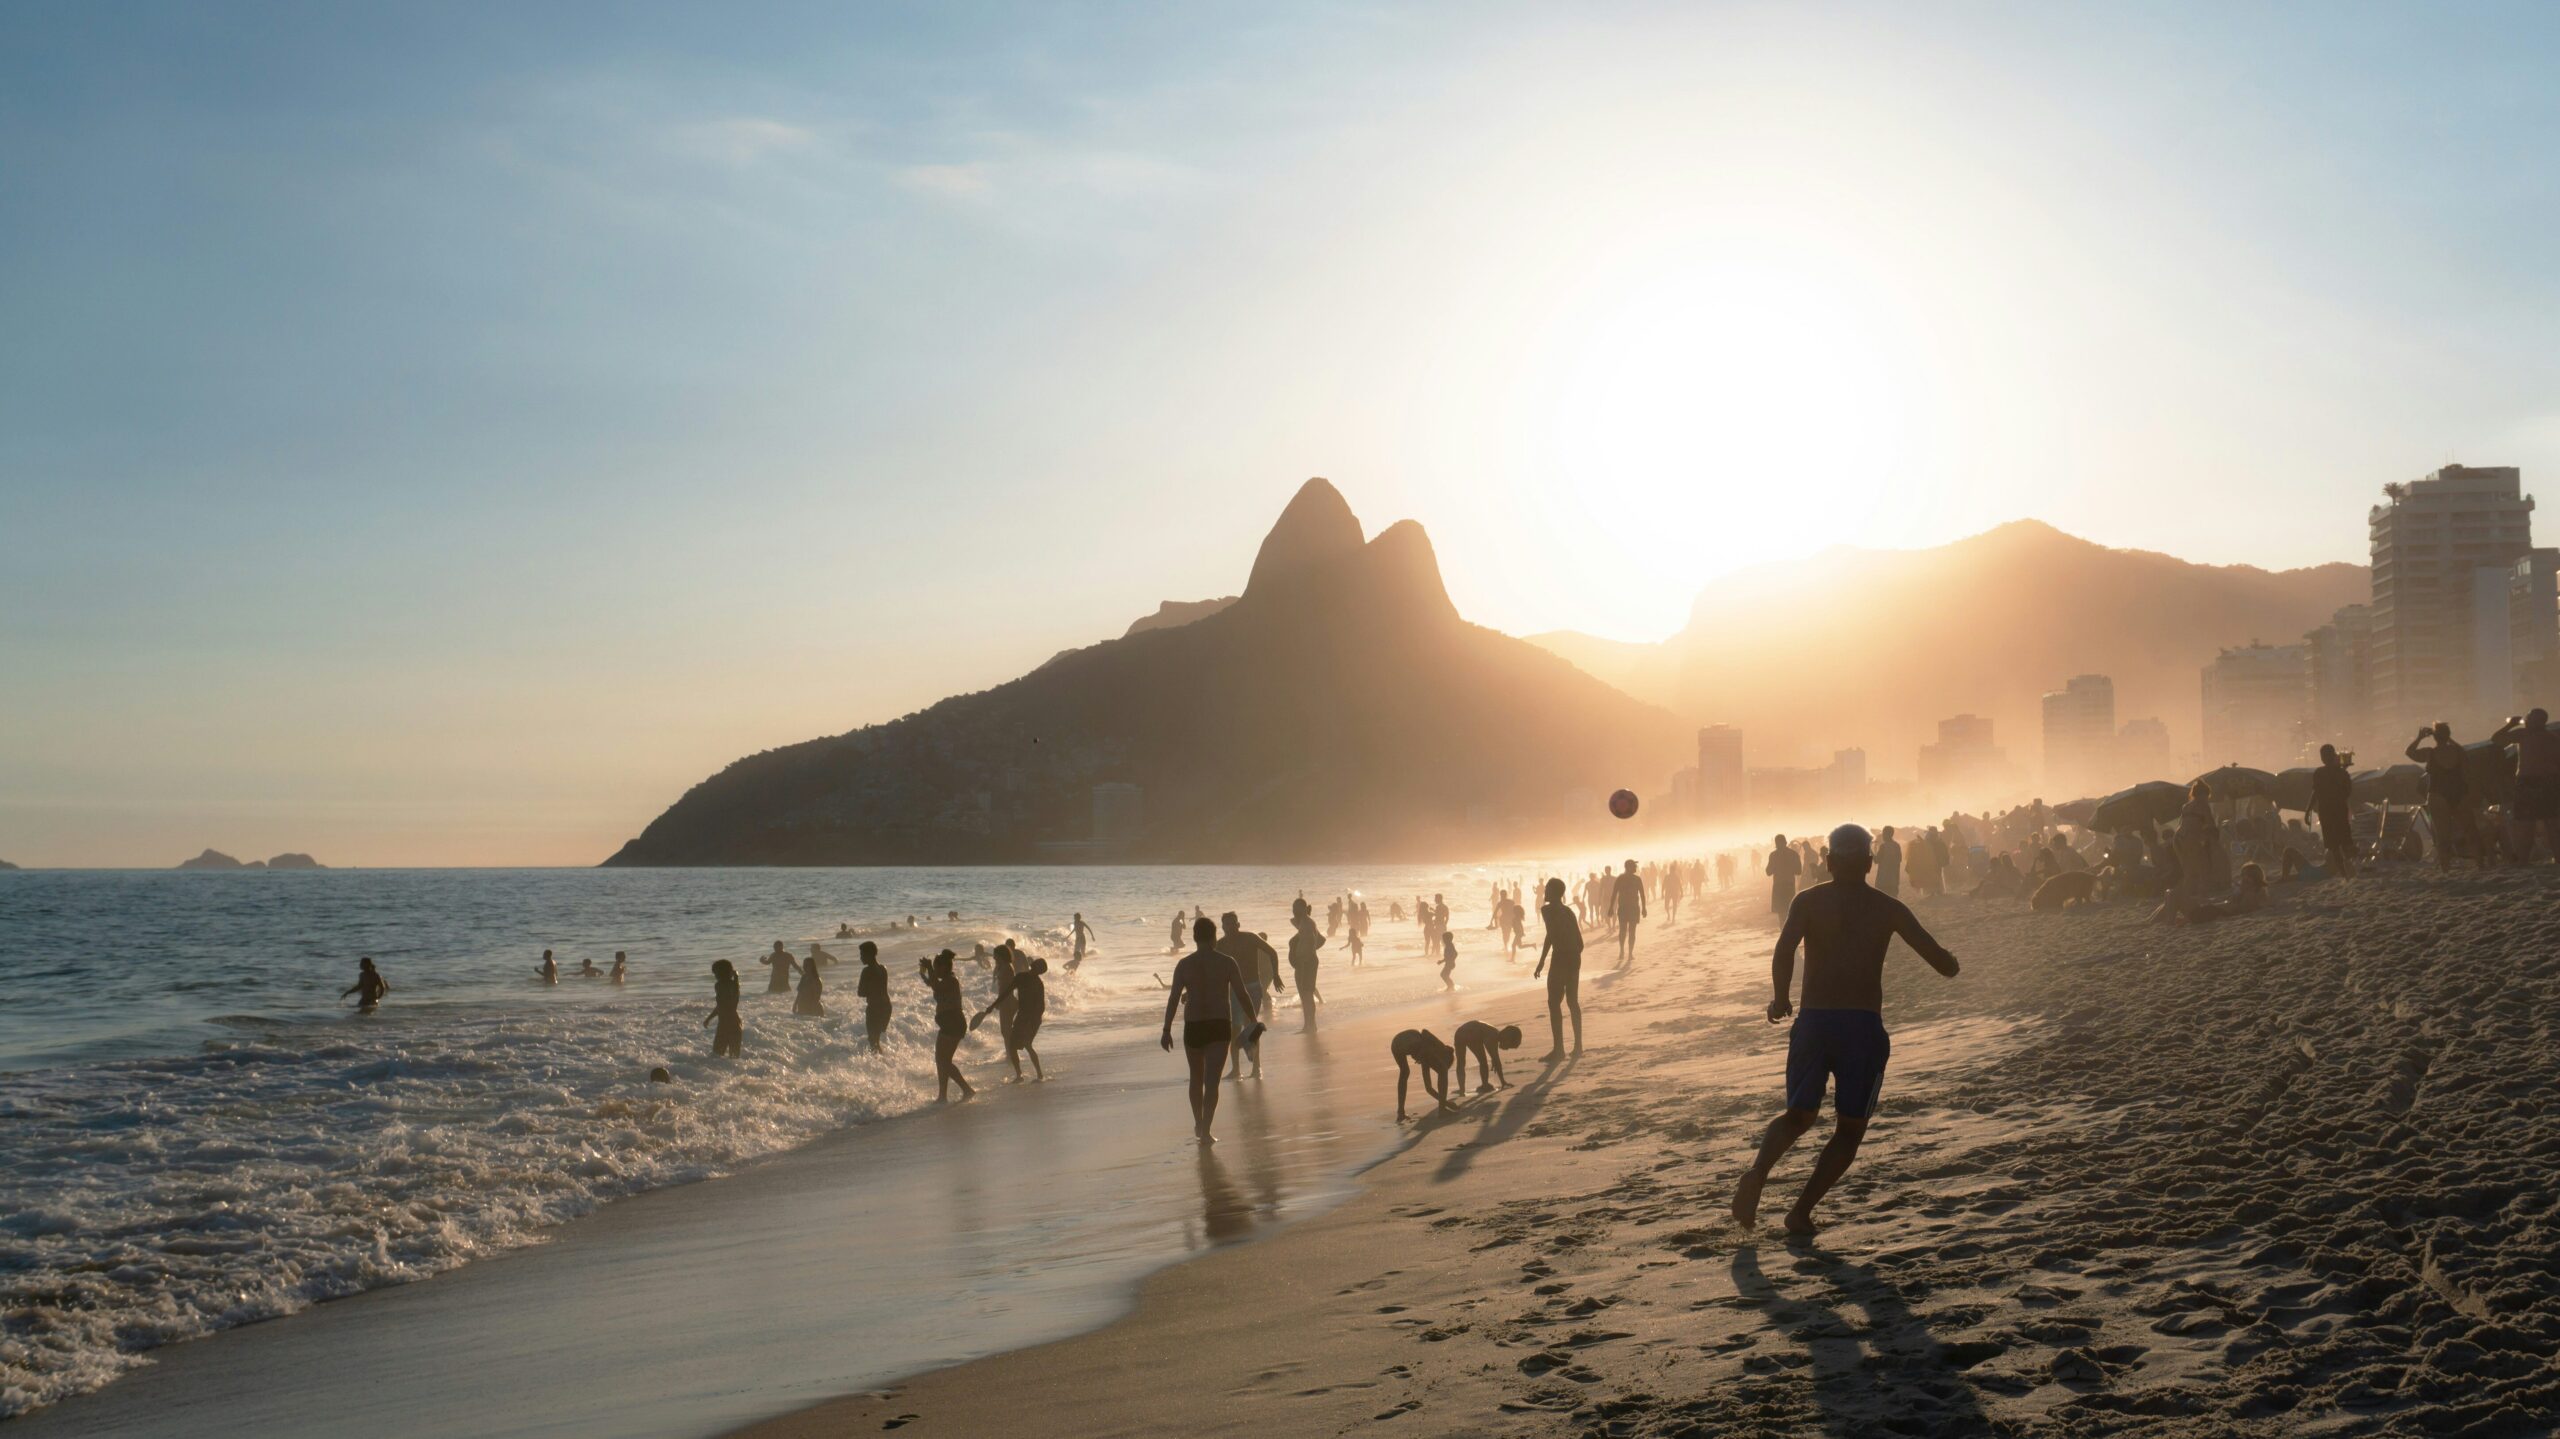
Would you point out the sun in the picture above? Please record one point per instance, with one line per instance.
(1729, 402)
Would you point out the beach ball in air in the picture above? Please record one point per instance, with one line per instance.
(1623, 804)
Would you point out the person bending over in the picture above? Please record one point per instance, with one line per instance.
(1486, 1043)
(1422, 1047)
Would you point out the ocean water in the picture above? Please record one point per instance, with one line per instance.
(201, 1134)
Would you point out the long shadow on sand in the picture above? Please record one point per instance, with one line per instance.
(1889, 1374)
(1499, 1122)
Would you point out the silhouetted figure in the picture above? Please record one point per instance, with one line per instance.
(2332, 802)
(1724, 870)
(1173, 942)
(727, 1039)
(1260, 967)
(950, 1022)
(2448, 794)
(1627, 898)
(1023, 995)
(369, 987)
(1563, 946)
(1303, 944)
(1839, 1040)
(782, 967)
(1082, 933)
(1213, 988)
(1420, 1046)
(1486, 1043)
(549, 969)
(872, 985)
(2535, 808)
(1889, 863)
(1448, 960)
(1672, 883)
(1784, 868)
(810, 998)
(621, 967)
(587, 969)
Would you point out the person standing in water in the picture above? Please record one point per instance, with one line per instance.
(1083, 935)
(1448, 960)
(1209, 981)
(1008, 963)
(872, 984)
(1785, 865)
(1839, 1039)
(730, 1036)
(950, 1022)
(1261, 970)
(1627, 896)
(1021, 1001)
(621, 967)
(1303, 944)
(783, 966)
(811, 997)
(549, 969)
(369, 987)
(1563, 944)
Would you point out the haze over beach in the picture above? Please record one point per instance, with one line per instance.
(1736, 719)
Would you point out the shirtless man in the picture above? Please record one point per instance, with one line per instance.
(1260, 967)
(369, 987)
(1486, 1043)
(2537, 795)
(1627, 896)
(1083, 936)
(1213, 987)
(1845, 927)
(1563, 944)
(1420, 1046)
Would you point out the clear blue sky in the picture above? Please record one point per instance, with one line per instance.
(440, 435)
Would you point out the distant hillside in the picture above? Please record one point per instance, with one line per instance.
(1339, 708)
(1872, 647)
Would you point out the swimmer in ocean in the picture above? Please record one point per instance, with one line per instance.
(811, 997)
(621, 967)
(369, 987)
(587, 970)
(549, 969)
(727, 1039)
(779, 961)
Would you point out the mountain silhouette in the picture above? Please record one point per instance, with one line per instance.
(1871, 648)
(1338, 708)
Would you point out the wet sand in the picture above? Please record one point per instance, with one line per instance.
(897, 1247)
(2290, 1173)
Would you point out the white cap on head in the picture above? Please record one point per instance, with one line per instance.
(1850, 839)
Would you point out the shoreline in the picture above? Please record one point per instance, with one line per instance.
(2282, 1173)
(883, 1249)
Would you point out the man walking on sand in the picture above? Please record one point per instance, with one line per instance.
(1627, 897)
(1839, 1039)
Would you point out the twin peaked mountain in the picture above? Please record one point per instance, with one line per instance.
(1338, 709)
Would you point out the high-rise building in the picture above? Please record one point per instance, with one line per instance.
(2142, 747)
(2445, 551)
(2257, 700)
(1722, 787)
(2533, 635)
(2080, 736)
(1963, 764)
(2342, 678)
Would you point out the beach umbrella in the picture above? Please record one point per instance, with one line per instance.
(2400, 784)
(2293, 789)
(2076, 812)
(2149, 802)
(2238, 781)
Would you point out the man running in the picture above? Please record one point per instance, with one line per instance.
(1845, 927)
(1627, 897)
(1210, 982)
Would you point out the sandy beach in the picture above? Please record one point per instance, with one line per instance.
(2288, 1173)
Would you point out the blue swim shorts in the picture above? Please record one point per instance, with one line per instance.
(1846, 1045)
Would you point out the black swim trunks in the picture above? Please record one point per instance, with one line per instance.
(1201, 1033)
